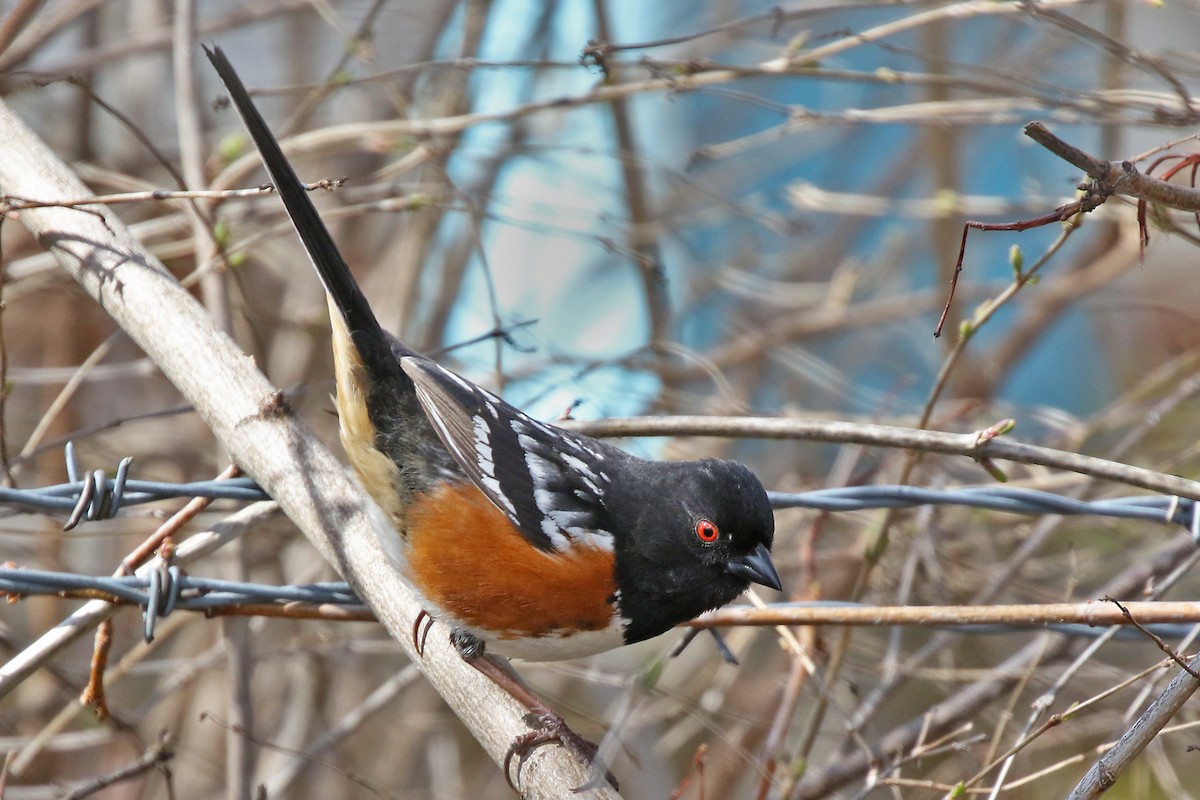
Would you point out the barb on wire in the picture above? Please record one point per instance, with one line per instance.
(164, 590)
(97, 500)
(93, 496)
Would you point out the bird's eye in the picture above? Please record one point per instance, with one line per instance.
(707, 531)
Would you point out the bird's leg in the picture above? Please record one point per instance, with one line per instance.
(547, 725)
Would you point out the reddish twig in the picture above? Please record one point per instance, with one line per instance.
(1033, 614)
(1178, 659)
(93, 693)
(1094, 195)
(161, 537)
(697, 770)
(1191, 160)
(1107, 178)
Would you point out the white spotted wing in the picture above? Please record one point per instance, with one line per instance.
(548, 482)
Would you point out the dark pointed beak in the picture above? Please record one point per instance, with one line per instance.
(756, 567)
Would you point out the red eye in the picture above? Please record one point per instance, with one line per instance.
(707, 531)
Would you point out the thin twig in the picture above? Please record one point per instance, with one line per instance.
(16, 20)
(963, 444)
(10, 203)
(155, 757)
(1092, 614)
(93, 694)
(1178, 659)
(242, 733)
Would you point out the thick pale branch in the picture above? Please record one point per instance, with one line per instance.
(250, 419)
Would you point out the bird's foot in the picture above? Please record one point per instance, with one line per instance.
(548, 727)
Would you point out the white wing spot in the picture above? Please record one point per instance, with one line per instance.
(483, 445)
(497, 494)
(590, 451)
(592, 486)
(579, 465)
(539, 467)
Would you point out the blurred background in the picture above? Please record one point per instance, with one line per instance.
(624, 208)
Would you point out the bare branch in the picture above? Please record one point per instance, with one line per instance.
(1096, 614)
(1109, 767)
(972, 445)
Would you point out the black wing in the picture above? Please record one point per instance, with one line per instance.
(549, 482)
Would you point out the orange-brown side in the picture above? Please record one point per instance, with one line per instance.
(469, 560)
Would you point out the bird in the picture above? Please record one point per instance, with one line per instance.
(528, 540)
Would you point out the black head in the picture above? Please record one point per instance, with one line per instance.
(696, 534)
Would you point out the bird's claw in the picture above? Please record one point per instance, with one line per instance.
(549, 727)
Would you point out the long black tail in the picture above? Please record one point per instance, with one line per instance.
(377, 401)
(374, 346)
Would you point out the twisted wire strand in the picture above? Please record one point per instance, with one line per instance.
(1015, 499)
(94, 496)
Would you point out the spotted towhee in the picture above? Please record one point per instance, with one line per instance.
(540, 543)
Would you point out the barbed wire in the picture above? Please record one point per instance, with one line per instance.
(162, 591)
(93, 496)
(165, 590)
